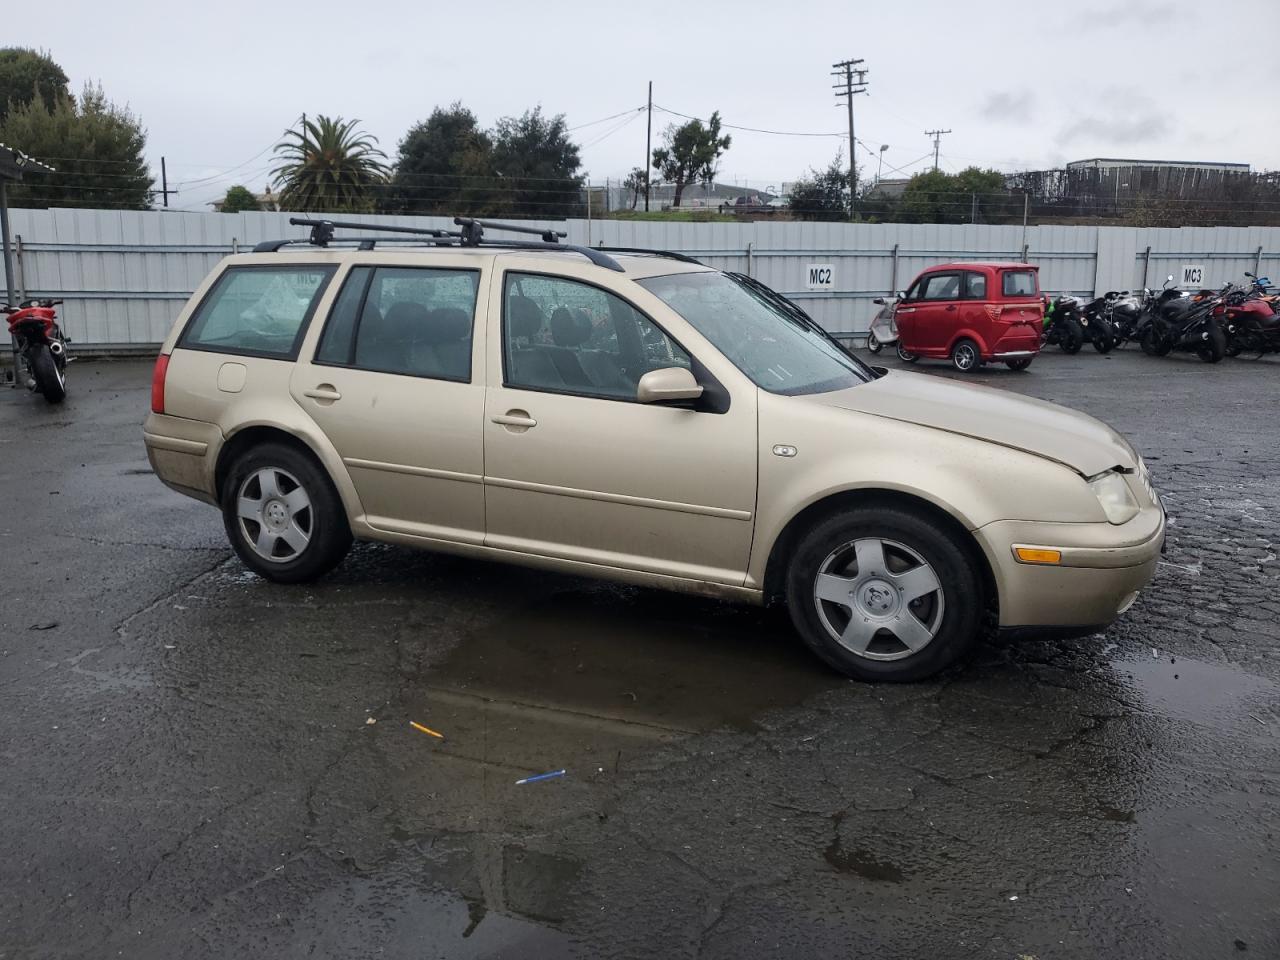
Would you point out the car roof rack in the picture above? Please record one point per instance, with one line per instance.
(669, 254)
(471, 235)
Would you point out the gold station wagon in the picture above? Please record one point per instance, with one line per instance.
(638, 416)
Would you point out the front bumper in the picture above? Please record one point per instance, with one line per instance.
(1103, 568)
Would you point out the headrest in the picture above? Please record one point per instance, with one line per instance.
(447, 325)
(406, 319)
(524, 316)
(569, 329)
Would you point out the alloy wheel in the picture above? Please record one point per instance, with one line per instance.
(879, 599)
(274, 514)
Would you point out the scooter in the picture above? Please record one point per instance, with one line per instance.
(884, 328)
(42, 347)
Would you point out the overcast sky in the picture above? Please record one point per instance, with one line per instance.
(216, 83)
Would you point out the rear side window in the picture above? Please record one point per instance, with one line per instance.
(975, 286)
(415, 321)
(259, 311)
(1019, 283)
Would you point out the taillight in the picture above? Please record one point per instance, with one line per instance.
(157, 383)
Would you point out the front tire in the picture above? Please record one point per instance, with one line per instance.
(1215, 348)
(965, 356)
(1020, 364)
(48, 375)
(906, 356)
(1071, 338)
(883, 594)
(283, 516)
(874, 345)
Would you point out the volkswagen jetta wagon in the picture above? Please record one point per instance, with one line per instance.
(644, 418)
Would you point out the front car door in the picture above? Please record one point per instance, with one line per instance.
(393, 383)
(937, 312)
(576, 468)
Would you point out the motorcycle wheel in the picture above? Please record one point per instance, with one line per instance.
(1072, 336)
(1233, 348)
(874, 345)
(1103, 340)
(49, 378)
(1213, 349)
(906, 356)
(1154, 344)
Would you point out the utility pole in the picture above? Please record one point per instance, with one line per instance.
(164, 183)
(937, 141)
(648, 150)
(854, 82)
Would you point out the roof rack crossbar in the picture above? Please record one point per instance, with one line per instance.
(473, 230)
(322, 230)
(669, 254)
(364, 243)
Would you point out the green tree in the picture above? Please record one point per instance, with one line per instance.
(823, 195)
(239, 198)
(691, 153)
(27, 75)
(444, 164)
(971, 194)
(328, 166)
(95, 146)
(536, 165)
(635, 183)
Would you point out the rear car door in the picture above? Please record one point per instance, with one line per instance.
(392, 384)
(576, 468)
(973, 314)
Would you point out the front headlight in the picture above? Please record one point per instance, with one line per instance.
(1114, 495)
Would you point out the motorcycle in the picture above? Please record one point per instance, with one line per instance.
(1184, 323)
(884, 328)
(1062, 324)
(1152, 302)
(1095, 322)
(1126, 314)
(41, 345)
(1249, 319)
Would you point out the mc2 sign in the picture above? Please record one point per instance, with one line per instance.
(1192, 275)
(819, 276)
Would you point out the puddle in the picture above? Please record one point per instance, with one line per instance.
(1207, 694)
(864, 863)
(639, 656)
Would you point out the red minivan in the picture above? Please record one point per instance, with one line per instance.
(971, 314)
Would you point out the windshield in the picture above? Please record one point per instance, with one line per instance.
(776, 348)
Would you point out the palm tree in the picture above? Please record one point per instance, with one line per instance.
(329, 166)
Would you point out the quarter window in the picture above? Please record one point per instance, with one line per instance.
(415, 321)
(260, 311)
(565, 336)
(975, 286)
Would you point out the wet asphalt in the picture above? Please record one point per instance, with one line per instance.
(190, 764)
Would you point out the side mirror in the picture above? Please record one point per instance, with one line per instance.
(1169, 278)
(879, 300)
(900, 295)
(666, 385)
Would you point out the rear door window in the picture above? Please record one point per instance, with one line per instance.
(257, 310)
(1019, 283)
(415, 321)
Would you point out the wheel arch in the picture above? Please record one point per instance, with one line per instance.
(864, 498)
(254, 434)
(984, 352)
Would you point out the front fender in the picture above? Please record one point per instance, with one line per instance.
(837, 451)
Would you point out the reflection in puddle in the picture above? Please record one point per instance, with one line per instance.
(1208, 694)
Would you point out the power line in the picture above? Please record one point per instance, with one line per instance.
(592, 123)
(734, 126)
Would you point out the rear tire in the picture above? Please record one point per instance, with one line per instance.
(1020, 364)
(965, 356)
(279, 533)
(1071, 338)
(874, 345)
(49, 377)
(1215, 348)
(884, 554)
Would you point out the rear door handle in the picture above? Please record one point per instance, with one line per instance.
(514, 419)
(324, 392)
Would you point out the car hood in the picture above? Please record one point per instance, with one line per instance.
(1047, 430)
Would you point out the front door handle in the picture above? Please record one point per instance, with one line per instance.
(325, 393)
(951, 306)
(517, 420)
